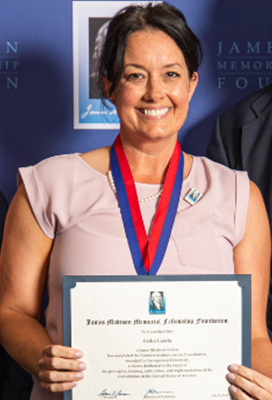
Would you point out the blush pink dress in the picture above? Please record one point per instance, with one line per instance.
(75, 205)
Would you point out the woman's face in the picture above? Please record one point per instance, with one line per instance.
(154, 91)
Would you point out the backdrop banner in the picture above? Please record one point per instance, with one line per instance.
(48, 55)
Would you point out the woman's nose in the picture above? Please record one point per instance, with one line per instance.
(154, 90)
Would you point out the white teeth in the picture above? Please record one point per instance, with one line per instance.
(154, 113)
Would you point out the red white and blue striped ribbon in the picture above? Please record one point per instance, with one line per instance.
(147, 254)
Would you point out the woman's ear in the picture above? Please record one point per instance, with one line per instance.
(193, 84)
(107, 86)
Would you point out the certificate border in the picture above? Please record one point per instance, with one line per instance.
(244, 281)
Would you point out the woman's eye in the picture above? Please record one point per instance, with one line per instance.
(172, 74)
(135, 76)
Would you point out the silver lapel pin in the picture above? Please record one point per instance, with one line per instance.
(193, 196)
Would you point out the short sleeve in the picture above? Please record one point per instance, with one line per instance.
(242, 199)
(58, 190)
(41, 187)
(64, 190)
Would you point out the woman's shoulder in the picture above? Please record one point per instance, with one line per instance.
(60, 165)
(68, 172)
(98, 159)
(218, 169)
(222, 179)
(64, 188)
(52, 162)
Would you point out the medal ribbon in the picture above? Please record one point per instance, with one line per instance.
(147, 254)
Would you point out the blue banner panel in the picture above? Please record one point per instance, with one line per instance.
(43, 113)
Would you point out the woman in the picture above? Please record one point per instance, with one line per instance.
(65, 214)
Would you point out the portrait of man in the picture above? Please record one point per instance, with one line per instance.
(97, 32)
(156, 301)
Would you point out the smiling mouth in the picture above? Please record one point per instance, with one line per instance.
(154, 113)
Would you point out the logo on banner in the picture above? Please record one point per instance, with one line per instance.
(9, 65)
(244, 64)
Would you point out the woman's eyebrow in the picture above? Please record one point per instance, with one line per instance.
(172, 65)
(134, 65)
(164, 66)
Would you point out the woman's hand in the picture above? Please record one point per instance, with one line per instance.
(247, 384)
(60, 368)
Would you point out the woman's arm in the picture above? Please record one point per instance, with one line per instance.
(23, 274)
(252, 256)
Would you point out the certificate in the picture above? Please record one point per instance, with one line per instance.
(157, 337)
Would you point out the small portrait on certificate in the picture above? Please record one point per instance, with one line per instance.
(156, 303)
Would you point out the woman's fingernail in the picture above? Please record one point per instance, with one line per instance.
(82, 366)
(233, 389)
(233, 368)
(79, 354)
(72, 384)
(231, 377)
(79, 375)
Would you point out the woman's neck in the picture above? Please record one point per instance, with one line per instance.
(148, 165)
(149, 162)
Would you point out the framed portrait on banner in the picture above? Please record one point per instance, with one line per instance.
(90, 21)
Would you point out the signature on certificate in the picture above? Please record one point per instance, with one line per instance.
(112, 395)
(153, 391)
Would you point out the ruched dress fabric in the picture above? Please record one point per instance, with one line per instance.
(75, 205)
